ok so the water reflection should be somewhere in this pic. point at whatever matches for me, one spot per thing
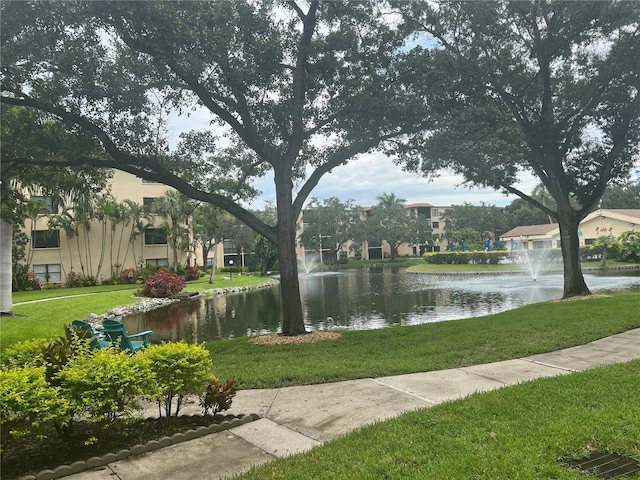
(362, 299)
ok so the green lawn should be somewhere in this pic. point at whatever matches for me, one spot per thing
(392, 351)
(520, 432)
(46, 319)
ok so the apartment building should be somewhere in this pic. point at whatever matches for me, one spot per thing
(89, 240)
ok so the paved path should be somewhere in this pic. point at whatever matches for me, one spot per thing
(295, 419)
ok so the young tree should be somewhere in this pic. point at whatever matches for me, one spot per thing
(329, 225)
(390, 221)
(479, 218)
(205, 226)
(266, 253)
(178, 209)
(547, 87)
(296, 89)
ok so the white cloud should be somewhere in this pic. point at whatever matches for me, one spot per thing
(368, 177)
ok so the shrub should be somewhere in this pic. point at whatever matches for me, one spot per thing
(88, 281)
(29, 406)
(108, 384)
(179, 369)
(191, 272)
(163, 284)
(129, 275)
(218, 396)
(24, 354)
(149, 270)
(58, 352)
(73, 279)
(629, 247)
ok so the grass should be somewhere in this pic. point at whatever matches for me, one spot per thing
(46, 319)
(525, 331)
(517, 432)
(521, 432)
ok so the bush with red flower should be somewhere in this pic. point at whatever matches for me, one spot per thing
(191, 272)
(163, 284)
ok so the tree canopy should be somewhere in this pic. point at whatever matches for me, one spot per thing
(295, 89)
(549, 87)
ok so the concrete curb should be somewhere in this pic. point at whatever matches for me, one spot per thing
(227, 422)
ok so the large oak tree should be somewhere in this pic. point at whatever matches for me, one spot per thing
(293, 88)
(547, 87)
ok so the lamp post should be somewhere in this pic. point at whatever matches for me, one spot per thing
(230, 269)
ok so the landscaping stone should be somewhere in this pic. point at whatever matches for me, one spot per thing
(123, 454)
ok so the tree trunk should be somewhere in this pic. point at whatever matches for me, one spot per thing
(574, 284)
(6, 273)
(292, 319)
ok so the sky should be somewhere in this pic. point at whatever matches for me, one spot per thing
(369, 176)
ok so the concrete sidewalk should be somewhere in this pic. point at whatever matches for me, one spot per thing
(295, 419)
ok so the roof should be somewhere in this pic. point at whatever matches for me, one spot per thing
(620, 212)
(529, 230)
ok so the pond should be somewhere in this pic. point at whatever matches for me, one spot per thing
(364, 299)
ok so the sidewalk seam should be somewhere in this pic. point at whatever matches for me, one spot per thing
(428, 400)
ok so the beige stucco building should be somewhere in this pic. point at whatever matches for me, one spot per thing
(62, 242)
(602, 222)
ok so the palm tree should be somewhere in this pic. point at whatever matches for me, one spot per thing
(177, 208)
(139, 220)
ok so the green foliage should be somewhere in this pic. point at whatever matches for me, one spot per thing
(88, 281)
(218, 396)
(464, 258)
(266, 253)
(27, 353)
(73, 280)
(148, 270)
(108, 384)
(179, 369)
(629, 247)
(58, 352)
(29, 405)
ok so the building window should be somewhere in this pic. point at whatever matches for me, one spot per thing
(435, 224)
(155, 236)
(229, 248)
(47, 204)
(144, 180)
(163, 262)
(48, 273)
(149, 201)
(46, 239)
(434, 212)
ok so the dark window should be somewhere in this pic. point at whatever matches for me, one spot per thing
(47, 205)
(149, 201)
(163, 262)
(46, 239)
(229, 248)
(435, 224)
(48, 273)
(155, 236)
(424, 211)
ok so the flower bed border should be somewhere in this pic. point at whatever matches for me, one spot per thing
(226, 422)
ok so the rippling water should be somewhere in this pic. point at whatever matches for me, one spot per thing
(362, 300)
